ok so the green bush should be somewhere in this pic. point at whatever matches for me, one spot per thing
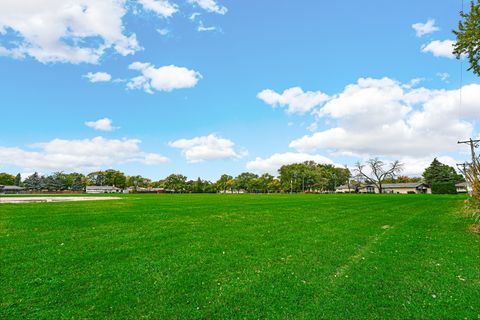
(444, 188)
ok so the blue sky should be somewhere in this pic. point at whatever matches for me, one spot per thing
(240, 85)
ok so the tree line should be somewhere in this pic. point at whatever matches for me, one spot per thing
(308, 176)
(300, 177)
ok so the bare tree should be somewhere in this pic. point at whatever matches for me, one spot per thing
(379, 171)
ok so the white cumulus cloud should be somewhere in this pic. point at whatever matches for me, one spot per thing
(205, 148)
(210, 6)
(98, 77)
(422, 29)
(440, 48)
(165, 78)
(78, 31)
(59, 30)
(295, 99)
(385, 118)
(104, 124)
(274, 162)
(77, 155)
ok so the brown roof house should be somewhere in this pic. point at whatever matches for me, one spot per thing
(398, 188)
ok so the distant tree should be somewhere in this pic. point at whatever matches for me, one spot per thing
(6, 179)
(312, 176)
(230, 184)
(69, 179)
(198, 186)
(115, 178)
(222, 183)
(18, 180)
(264, 182)
(274, 186)
(246, 181)
(77, 184)
(137, 181)
(403, 179)
(468, 36)
(176, 183)
(33, 182)
(293, 176)
(375, 171)
(96, 178)
(157, 184)
(439, 172)
(56, 182)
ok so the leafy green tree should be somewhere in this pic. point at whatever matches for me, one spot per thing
(468, 37)
(18, 180)
(115, 178)
(246, 181)
(292, 176)
(176, 183)
(137, 181)
(403, 179)
(439, 172)
(263, 182)
(69, 179)
(222, 183)
(274, 186)
(96, 178)
(107, 178)
(200, 186)
(6, 179)
(77, 184)
(55, 182)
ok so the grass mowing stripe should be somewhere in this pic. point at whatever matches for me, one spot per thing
(237, 257)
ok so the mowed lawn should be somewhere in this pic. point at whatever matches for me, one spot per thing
(240, 257)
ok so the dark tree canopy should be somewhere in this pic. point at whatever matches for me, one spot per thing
(468, 37)
(438, 172)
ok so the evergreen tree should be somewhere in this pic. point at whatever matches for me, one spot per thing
(18, 180)
(439, 172)
(77, 184)
(33, 182)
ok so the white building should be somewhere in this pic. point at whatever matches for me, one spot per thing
(102, 189)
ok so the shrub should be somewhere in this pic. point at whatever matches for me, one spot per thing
(444, 188)
(411, 192)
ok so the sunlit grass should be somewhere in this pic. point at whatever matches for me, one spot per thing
(240, 256)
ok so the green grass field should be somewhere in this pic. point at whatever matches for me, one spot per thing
(240, 257)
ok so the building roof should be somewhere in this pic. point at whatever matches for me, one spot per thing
(101, 188)
(11, 188)
(397, 185)
(403, 185)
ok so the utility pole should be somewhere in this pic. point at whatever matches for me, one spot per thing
(462, 167)
(473, 166)
(473, 144)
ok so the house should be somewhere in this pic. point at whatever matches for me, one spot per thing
(102, 189)
(398, 188)
(346, 189)
(462, 187)
(146, 190)
(11, 189)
